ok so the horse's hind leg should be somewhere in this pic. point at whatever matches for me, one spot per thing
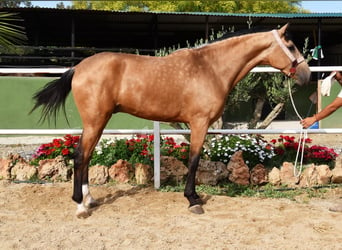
(91, 134)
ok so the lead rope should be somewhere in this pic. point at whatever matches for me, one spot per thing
(303, 135)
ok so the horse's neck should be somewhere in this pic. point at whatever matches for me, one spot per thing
(233, 58)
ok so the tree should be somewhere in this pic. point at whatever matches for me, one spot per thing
(262, 88)
(234, 6)
(10, 34)
(14, 3)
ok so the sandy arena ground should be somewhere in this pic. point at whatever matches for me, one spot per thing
(42, 216)
(34, 216)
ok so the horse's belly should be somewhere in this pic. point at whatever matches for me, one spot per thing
(155, 112)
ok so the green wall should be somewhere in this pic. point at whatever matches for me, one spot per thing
(16, 102)
(335, 119)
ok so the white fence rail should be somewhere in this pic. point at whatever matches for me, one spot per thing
(156, 131)
(62, 70)
(166, 131)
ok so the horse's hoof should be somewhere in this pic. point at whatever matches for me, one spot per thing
(82, 215)
(196, 209)
(82, 212)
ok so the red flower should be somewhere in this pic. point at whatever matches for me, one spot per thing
(151, 138)
(68, 143)
(144, 152)
(308, 140)
(57, 143)
(65, 151)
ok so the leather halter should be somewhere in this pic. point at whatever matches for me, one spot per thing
(295, 61)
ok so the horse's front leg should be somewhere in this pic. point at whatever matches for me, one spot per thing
(195, 201)
(198, 133)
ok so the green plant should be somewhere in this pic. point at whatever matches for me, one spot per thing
(170, 148)
(65, 147)
(109, 151)
(255, 149)
(138, 149)
(141, 149)
(285, 148)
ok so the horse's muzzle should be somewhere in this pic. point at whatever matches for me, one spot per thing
(303, 74)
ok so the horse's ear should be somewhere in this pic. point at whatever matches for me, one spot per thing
(283, 29)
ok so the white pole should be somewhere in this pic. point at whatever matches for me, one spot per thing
(156, 133)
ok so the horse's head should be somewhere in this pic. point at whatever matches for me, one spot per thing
(286, 57)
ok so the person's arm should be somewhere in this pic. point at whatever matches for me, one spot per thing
(332, 107)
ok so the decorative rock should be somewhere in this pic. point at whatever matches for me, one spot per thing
(210, 172)
(54, 169)
(5, 168)
(286, 174)
(121, 171)
(172, 169)
(274, 176)
(98, 174)
(324, 174)
(309, 177)
(23, 171)
(336, 174)
(238, 170)
(258, 175)
(143, 173)
(315, 175)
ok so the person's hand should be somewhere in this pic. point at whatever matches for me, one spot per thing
(307, 122)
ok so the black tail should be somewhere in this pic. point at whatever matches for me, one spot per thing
(53, 95)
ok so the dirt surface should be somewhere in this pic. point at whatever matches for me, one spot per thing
(35, 216)
(42, 216)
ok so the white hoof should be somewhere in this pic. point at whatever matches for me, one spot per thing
(82, 211)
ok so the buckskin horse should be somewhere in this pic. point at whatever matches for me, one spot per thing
(189, 85)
